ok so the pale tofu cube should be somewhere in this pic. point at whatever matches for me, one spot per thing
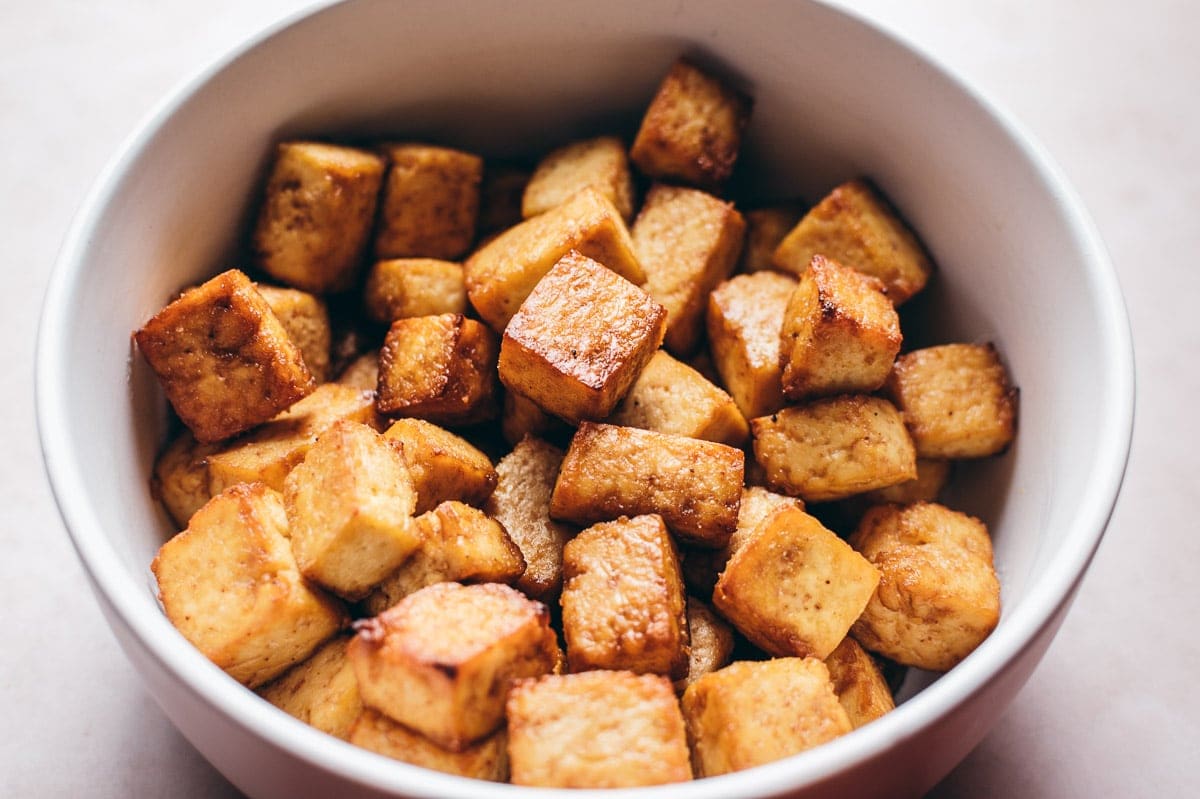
(430, 202)
(765, 229)
(180, 479)
(399, 288)
(322, 691)
(710, 641)
(486, 760)
(858, 683)
(306, 321)
(598, 163)
(443, 466)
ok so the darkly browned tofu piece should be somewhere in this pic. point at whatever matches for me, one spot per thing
(430, 202)
(224, 360)
(692, 130)
(765, 228)
(610, 471)
(319, 206)
(440, 368)
(580, 339)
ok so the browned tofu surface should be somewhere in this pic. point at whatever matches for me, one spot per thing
(443, 466)
(398, 288)
(612, 471)
(580, 339)
(859, 683)
(486, 760)
(500, 197)
(702, 567)
(430, 202)
(598, 163)
(306, 321)
(180, 479)
(710, 641)
(322, 691)
(765, 228)
(932, 476)
(598, 729)
(223, 359)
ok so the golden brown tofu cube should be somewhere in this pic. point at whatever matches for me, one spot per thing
(835, 447)
(349, 506)
(745, 316)
(430, 202)
(702, 567)
(306, 321)
(765, 228)
(522, 417)
(795, 588)
(751, 713)
(230, 585)
(362, 373)
(858, 683)
(855, 226)
(269, 453)
(623, 604)
(611, 471)
(956, 400)
(223, 359)
(580, 339)
(671, 397)
(440, 368)
(441, 661)
(932, 476)
(402, 287)
(598, 729)
(458, 544)
(502, 273)
(500, 197)
(692, 130)
(938, 596)
(443, 466)
(598, 163)
(688, 242)
(180, 479)
(521, 503)
(317, 214)
(710, 640)
(322, 691)
(840, 333)
(486, 760)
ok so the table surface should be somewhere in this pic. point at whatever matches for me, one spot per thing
(1109, 88)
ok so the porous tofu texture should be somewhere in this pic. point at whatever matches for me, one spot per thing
(833, 448)
(486, 760)
(230, 585)
(956, 399)
(710, 641)
(855, 226)
(622, 601)
(440, 368)
(322, 691)
(692, 130)
(794, 588)
(224, 360)
(317, 214)
(502, 273)
(306, 321)
(858, 683)
(765, 228)
(751, 713)
(688, 242)
(443, 466)
(580, 339)
(430, 202)
(349, 507)
(441, 661)
(840, 333)
(612, 471)
(181, 477)
(398, 288)
(598, 729)
(938, 595)
(598, 163)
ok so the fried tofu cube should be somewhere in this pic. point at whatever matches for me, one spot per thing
(430, 202)
(598, 163)
(751, 713)
(500, 197)
(522, 417)
(402, 287)
(180, 479)
(745, 317)
(502, 273)
(440, 368)
(306, 321)
(458, 544)
(840, 333)
(322, 691)
(269, 453)
(692, 130)
(223, 359)
(580, 339)
(932, 476)
(671, 397)
(598, 729)
(441, 661)
(765, 228)
(623, 604)
(704, 566)
(858, 683)
(317, 214)
(362, 373)
(521, 502)
(835, 447)
(611, 471)
(794, 588)
(938, 595)
(486, 760)
(230, 585)
(956, 399)
(688, 242)
(855, 226)
(443, 466)
(349, 506)
(710, 642)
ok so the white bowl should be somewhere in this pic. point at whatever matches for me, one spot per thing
(1020, 264)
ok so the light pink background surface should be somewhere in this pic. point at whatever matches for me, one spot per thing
(1110, 89)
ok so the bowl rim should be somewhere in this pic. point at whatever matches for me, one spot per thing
(126, 597)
